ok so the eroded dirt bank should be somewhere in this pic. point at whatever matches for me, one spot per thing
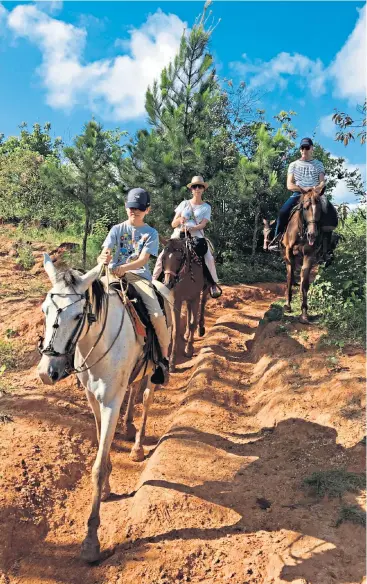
(219, 497)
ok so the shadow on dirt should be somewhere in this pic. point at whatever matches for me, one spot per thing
(273, 479)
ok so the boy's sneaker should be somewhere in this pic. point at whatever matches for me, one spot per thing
(161, 374)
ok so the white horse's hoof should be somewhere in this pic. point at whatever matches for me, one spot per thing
(90, 552)
(303, 319)
(137, 454)
(287, 308)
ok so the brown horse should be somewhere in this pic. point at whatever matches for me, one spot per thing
(300, 241)
(183, 273)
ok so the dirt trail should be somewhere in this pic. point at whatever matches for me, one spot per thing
(219, 497)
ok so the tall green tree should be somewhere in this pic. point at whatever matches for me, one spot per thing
(189, 127)
(88, 174)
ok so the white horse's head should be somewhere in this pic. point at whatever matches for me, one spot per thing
(66, 310)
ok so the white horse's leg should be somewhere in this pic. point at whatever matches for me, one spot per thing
(94, 404)
(137, 453)
(129, 429)
(96, 411)
(109, 416)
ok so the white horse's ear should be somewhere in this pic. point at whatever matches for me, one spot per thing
(88, 278)
(50, 268)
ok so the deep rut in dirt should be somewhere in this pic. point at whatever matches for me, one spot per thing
(219, 497)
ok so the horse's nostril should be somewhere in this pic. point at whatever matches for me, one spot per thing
(53, 374)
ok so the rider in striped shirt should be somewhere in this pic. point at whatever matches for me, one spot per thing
(306, 172)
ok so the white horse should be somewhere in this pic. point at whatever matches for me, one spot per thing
(90, 332)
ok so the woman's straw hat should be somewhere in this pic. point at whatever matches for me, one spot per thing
(197, 180)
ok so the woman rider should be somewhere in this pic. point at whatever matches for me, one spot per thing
(194, 215)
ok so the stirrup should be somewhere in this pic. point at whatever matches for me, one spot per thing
(274, 245)
(215, 293)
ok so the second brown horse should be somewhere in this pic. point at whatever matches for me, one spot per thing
(301, 243)
(183, 273)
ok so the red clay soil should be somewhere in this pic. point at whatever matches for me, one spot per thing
(219, 497)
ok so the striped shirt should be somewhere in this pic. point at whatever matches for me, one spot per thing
(306, 172)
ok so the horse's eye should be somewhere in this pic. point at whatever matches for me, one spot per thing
(78, 317)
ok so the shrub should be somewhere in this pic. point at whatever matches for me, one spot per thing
(338, 291)
(25, 256)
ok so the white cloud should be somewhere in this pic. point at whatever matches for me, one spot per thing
(327, 126)
(113, 87)
(346, 73)
(50, 6)
(278, 70)
(349, 66)
(341, 193)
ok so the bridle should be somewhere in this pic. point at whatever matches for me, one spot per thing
(187, 253)
(308, 222)
(88, 317)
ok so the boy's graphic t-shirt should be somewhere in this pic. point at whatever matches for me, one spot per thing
(127, 242)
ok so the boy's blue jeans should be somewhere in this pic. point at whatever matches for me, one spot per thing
(285, 212)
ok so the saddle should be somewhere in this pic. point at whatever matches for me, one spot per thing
(143, 327)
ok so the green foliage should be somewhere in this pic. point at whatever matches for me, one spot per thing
(338, 292)
(25, 256)
(334, 483)
(90, 175)
(352, 513)
(8, 356)
(246, 272)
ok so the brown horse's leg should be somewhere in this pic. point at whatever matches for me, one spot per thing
(176, 318)
(106, 490)
(289, 258)
(203, 301)
(305, 284)
(137, 453)
(129, 429)
(188, 320)
(194, 308)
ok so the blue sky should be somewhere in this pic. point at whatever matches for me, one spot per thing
(63, 62)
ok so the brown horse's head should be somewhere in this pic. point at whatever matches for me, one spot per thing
(173, 260)
(311, 208)
(268, 228)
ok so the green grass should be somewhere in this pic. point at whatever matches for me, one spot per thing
(334, 483)
(8, 355)
(352, 513)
